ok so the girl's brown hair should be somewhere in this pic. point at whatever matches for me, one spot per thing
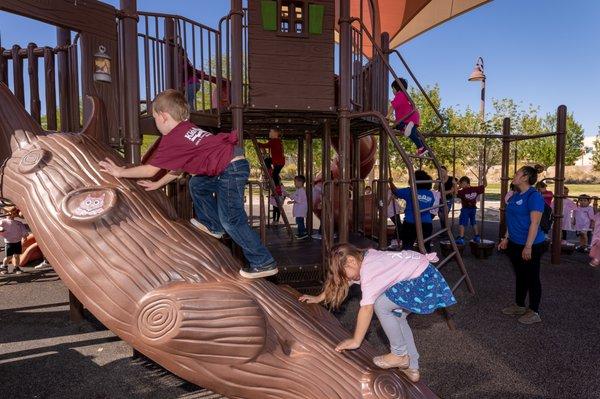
(337, 283)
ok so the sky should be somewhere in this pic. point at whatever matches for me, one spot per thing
(540, 52)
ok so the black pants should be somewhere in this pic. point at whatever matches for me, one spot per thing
(276, 214)
(276, 174)
(398, 223)
(444, 216)
(527, 273)
(409, 235)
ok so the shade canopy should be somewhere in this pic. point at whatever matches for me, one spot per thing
(405, 19)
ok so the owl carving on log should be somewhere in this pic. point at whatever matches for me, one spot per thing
(172, 293)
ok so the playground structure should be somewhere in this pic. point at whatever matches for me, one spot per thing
(235, 85)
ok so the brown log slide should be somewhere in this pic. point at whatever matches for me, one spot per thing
(172, 293)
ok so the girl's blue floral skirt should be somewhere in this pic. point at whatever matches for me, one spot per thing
(424, 294)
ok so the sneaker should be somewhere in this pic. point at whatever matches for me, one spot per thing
(258, 272)
(514, 310)
(205, 229)
(530, 317)
(42, 265)
(408, 129)
(3, 270)
(460, 241)
(301, 236)
(421, 152)
(17, 270)
(317, 236)
(477, 239)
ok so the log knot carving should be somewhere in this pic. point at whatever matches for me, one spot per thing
(158, 318)
(383, 386)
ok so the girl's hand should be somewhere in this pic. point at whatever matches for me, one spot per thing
(347, 344)
(526, 254)
(148, 185)
(310, 299)
(503, 244)
(110, 167)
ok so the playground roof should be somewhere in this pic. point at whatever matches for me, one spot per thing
(405, 19)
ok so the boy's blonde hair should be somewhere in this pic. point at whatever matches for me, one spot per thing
(173, 103)
(337, 283)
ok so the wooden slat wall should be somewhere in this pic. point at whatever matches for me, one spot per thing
(295, 73)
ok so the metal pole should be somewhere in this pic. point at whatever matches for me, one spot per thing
(504, 179)
(559, 181)
(326, 203)
(129, 58)
(384, 158)
(345, 61)
(356, 194)
(309, 182)
(300, 163)
(63, 38)
(237, 113)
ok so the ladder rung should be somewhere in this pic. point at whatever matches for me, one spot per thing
(428, 181)
(437, 233)
(459, 282)
(446, 260)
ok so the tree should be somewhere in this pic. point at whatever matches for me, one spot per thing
(596, 152)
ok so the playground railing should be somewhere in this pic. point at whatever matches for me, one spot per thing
(23, 64)
(179, 53)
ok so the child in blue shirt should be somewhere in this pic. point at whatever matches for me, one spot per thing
(426, 200)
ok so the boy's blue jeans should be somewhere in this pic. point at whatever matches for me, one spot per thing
(301, 226)
(219, 205)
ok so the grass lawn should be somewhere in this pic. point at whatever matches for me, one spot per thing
(574, 189)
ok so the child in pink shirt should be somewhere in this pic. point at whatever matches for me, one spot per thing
(403, 107)
(392, 284)
(568, 207)
(595, 250)
(13, 232)
(583, 216)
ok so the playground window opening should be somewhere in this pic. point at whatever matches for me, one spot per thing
(292, 17)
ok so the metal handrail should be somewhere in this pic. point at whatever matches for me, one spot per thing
(175, 16)
(381, 54)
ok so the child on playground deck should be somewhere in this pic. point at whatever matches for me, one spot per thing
(568, 207)
(583, 217)
(468, 198)
(276, 157)
(219, 175)
(402, 107)
(13, 232)
(300, 208)
(392, 284)
(280, 194)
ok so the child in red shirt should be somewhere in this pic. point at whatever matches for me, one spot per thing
(219, 175)
(276, 158)
(468, 198)
(547, 195)
(409, 125)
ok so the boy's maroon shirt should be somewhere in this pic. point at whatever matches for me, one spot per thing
(468, 196)
(195, 151)
(275, 147)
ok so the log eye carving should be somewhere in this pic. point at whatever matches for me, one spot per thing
(32, 160)
(88, 204)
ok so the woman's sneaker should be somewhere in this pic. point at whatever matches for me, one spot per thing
(514, 310)
(530, 317)
(258, 272)
(196, 223)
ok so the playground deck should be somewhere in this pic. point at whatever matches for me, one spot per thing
(488, 356)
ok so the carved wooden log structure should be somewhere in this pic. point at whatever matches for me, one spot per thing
(171, 292)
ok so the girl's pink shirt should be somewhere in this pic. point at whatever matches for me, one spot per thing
(382, 269)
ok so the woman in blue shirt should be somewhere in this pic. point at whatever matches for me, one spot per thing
(524, 240)
(426, 200)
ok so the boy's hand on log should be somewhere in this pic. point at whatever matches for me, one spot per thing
(110, 167)
(347, 344)
(149, 185)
